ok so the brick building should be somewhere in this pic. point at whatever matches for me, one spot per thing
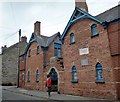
(10, 62)
(84, 60)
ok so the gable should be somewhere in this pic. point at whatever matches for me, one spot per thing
(79, 14)
(42, 41)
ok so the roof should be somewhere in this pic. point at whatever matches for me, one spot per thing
(21, 45)
(107, 16)
(43, 41)
(110, 14)
(79, 14)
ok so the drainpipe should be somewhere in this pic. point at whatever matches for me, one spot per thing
(44, 57)
(19, 56)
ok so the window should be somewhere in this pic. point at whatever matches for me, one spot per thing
(38, 49)
(28, 76)
(37, 75)
(23, 76)
(99, 73)
(57, 50)
(72, 38)
(94, 30)
(74, 74)
(29, 53)
(23, 57)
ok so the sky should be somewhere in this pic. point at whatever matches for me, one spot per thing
(53, 15)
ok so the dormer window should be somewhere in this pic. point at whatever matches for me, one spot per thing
(94, 30)
(38, 49)
(72, 38)
(58, 50)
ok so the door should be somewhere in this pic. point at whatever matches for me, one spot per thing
(54, 78)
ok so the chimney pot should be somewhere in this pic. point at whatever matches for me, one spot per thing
(23, 39)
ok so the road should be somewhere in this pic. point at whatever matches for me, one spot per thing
(8, 95)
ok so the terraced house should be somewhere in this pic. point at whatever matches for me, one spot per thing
(83, 61)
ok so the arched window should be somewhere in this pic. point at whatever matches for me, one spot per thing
(28, 76)
(37, 75)
(38, 49)
(74, 74)
(72, 38)
(99, 73)
(94, 30)
(23, 76)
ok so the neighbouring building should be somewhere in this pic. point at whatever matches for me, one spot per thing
(83, 61)
(10, 59)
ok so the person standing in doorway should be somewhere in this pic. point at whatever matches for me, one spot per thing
(48, 84)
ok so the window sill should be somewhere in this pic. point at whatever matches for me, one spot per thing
(72, 43)
(74, 81)
(95, 35)
(37, 81)
(28, 81)
(100, 81)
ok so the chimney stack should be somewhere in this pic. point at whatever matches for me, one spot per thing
(81, 4)
(37, 28)
(23, 39)
(3, 48)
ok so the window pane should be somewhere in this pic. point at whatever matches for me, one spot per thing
(74, 74)
(59, 54)
(72, 39)
(23, 77)
(38, 49)
(55, 52)
(99, 73)
(37, 75)
(28, 75)
(94, 29)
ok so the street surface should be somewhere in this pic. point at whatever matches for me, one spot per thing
(7, 95)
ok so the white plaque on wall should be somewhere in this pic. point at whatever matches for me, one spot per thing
(83, 51)
(84, 62)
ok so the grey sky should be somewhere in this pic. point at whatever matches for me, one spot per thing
(53, 16)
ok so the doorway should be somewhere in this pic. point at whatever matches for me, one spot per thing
(54, 78)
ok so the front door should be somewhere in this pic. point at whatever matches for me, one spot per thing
(54, 78)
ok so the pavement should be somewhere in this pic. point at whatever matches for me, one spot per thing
(54, 95)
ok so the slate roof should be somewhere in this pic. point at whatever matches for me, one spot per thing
(45, 41)
(110, 15)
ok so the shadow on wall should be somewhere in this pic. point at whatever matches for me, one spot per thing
(8, 84)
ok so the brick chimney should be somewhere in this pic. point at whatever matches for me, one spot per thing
(37, 28)
(23, 39)
(81, 4)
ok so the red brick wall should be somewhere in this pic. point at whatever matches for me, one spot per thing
(114, 38)
(55, 65)
(99, 51)
(32, 63)
(114, 31)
